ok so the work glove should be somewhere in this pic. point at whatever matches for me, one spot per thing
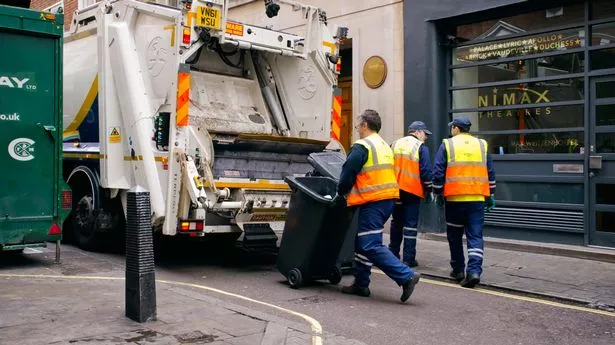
(440, 200)
(429, 198)
(490, 203)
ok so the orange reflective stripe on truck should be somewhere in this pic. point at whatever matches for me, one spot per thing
(336, 114)
(183, 95)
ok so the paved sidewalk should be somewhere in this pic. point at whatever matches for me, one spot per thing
(584, 281)
(62, 310)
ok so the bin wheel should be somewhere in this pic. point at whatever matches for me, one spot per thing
(294, 278)
(335, 276)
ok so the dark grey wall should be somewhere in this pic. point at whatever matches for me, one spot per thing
(425, 69)
(425, 60)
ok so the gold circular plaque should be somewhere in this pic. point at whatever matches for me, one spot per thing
(374, 72)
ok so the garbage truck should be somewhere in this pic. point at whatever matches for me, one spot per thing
(207, 114)
(34, 199)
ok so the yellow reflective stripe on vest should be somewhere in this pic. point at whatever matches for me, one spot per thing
(377, 167)
(407, 173)
(467, 179)
(374, 188)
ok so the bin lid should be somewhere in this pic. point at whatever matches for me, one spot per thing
(328, 163)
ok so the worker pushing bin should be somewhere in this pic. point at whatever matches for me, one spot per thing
(314, 233)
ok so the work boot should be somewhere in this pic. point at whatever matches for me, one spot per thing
(411, 264)
(408, 287)
(471, 280)
(355, 290)
(458, 276)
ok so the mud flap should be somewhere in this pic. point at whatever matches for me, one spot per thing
(259, 237)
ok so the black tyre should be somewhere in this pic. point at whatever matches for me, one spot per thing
(85, 209)
(335, 276)
(295, 279)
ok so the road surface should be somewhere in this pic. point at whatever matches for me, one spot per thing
(437, 313)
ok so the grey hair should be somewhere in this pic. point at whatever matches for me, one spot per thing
(372, 119)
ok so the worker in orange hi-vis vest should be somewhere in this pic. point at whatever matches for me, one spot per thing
(368, 180)
(464, 181)
(413, 171)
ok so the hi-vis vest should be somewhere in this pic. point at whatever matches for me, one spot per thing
(467, 178)
(407, 168)
(376, 181)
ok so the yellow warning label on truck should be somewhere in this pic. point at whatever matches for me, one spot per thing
(115, 135)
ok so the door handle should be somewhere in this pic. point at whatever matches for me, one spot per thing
(50, 130)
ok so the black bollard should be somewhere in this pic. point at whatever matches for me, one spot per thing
(140, 269)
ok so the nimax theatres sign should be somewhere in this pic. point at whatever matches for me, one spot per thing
(517, 95)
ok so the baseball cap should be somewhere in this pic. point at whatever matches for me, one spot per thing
(419, 126)
(461, 121)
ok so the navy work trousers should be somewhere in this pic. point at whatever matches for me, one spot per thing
(369, 249)
(404, 227)
(468, 218)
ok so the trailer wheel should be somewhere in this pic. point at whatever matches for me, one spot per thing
(295, 278)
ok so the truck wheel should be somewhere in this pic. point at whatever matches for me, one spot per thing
(294, 278)
(83, 222)
(335, 276)
(86, 203)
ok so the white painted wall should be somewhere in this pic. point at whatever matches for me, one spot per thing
(376, 28)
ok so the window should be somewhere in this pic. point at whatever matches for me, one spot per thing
(559, 142)
(85, 3)
(547, 117)
(603, 34)
(537, 20)
(562, 193)
(605, 221)
(605, 142)
(605, 115)
(56, 8)
(605, 194)
(602, 59)
(549, 66)
(523, 95)
(602, 9)
(517, 47)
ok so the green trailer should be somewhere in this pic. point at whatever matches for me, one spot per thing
(34, 199)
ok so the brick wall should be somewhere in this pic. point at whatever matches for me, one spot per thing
(69, 8)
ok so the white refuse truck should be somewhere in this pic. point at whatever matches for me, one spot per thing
(206, 114)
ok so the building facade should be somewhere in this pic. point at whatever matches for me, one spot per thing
(537, 78)
(67, 7)
(538, 81)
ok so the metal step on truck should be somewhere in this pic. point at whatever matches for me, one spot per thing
(34, 200)
(207, 114)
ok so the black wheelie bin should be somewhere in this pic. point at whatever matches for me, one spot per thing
(329, 164)
(314, 232)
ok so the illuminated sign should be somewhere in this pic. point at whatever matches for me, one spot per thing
(519, 47)
(514, 96)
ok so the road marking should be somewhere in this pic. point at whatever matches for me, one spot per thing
(515, 297)
(314, 324)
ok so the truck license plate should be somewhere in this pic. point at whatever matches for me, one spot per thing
(208, 17)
